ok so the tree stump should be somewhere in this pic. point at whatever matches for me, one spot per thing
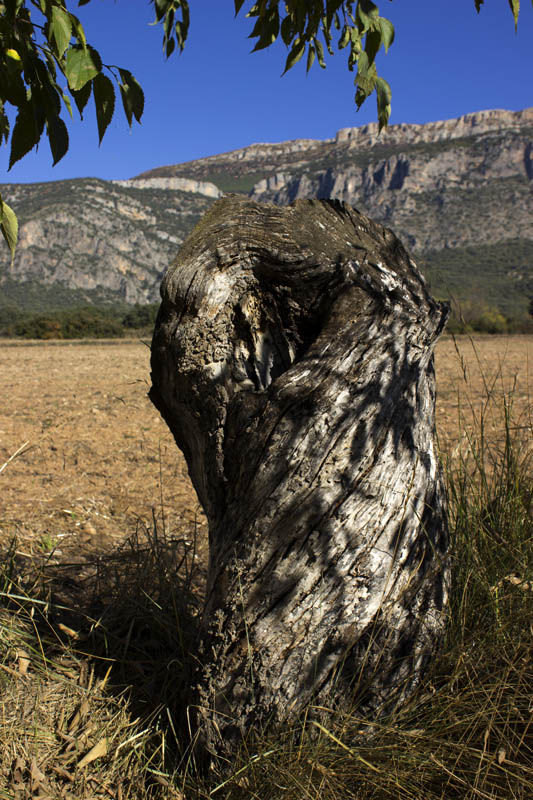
(293, 362)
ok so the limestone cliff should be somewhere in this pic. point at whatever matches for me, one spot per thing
(98, 240)
(458, 192)
(440, 185)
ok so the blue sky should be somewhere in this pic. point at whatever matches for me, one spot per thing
(446, 61)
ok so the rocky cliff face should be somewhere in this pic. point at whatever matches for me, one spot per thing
(458, 192)
(441, 185)
(175, 184)
(103, 240)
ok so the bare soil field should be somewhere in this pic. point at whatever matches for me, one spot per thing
(85, 458)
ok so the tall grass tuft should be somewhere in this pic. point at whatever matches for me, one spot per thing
(95, 666)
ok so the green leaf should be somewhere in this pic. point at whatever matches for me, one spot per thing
(126, 102)
(57, 138)
(181, 34)
(68, 104)
(327, 33)
(387, 32)
(168, 23)
(514, 5)
(310, 57)
(162, 7)
(4, 124)
(51, 65)
(362, 66)
(478, 3)
(26, 132)
(134, 92)
(60, 29)
(104, 101)
(372, 45)
(12, 86)
(295, 55)
(355, 38)
(9, 226)
(383, 92)
(269, 29)
(365, 79)
(45, 95)
(81, 96)
(320, 53)
(363, 20)
(77, 30)
(80, 67)
(83, 2)
(238, 5)
(369, 8)
(287, 30)
(169, 47)
(345, 37)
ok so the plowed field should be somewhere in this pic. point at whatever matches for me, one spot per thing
(94, 459)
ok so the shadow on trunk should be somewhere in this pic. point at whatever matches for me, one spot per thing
(293, 362)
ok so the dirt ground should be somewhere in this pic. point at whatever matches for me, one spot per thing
(85, 458)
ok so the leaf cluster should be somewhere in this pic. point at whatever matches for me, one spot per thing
(312, 27)
(514, 5)
(175, 30)
(43, 46)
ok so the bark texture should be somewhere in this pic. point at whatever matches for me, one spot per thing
(293, 361)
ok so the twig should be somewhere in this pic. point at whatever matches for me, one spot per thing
(15, 454)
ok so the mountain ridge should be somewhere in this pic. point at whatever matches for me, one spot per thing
(457, 192)
(367, 137)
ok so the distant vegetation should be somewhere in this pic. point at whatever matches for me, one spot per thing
(87, 322)
(490, 288)
(475, 317)
(496, 276)
(117, 321)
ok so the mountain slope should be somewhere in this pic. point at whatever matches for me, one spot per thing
(458, 192)
(96, 241)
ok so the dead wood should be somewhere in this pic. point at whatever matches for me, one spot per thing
(293, 361)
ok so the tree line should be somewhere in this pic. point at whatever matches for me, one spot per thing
(89, 322)
(115, 322)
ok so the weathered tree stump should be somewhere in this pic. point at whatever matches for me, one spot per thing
(293, 362)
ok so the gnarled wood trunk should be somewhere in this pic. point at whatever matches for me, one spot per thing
(293, 361)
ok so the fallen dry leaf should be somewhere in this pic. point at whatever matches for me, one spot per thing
(514, 580)
(10, 671)
(23, 661)
(62, 772)
(501, 755)
(17, 774)
(98, 751)
(79, 716)
(37, 778)
(486, 738)
(65, 629)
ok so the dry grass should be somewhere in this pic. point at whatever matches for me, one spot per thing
(100, 600)
(96, 455)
